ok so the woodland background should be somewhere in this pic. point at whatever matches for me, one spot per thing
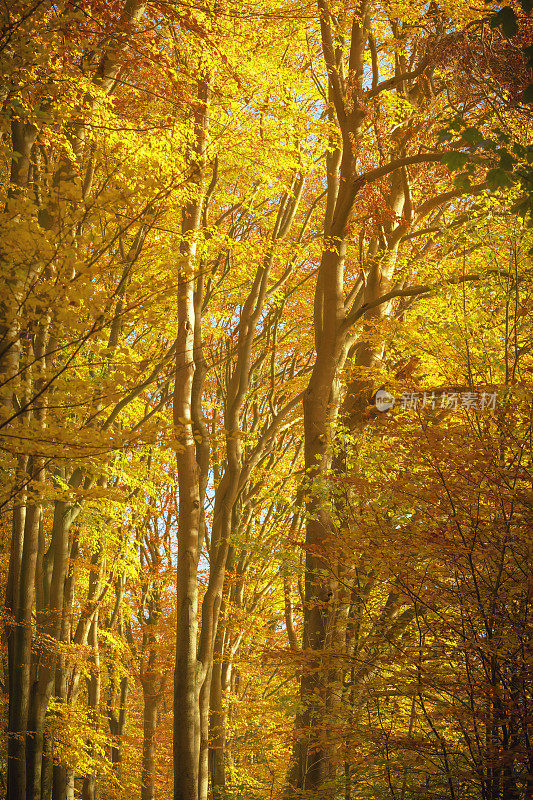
(224, 227)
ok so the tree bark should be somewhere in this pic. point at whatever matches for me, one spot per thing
(189, 674)
(19, 701)
(150, 711)
(93, 701)
(316, 768)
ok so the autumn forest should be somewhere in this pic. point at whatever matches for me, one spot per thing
(266, 400)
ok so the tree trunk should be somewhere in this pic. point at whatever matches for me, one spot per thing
(62, 783)
(189, 674)
(321, 403)
(19, 701)
(314, 755)
(13, 582)
(93, 700)
(46, 772)
(218, 722)
(151, 706)
(203, 774)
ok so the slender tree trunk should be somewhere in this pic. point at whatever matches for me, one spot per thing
(35, 746)
(93, 701)
(218, 720)
(46, 772)
(203, 774)
(189, 673)
(23, 556)
(220, 683)
(60, 771)
(19, 701)
(150, 711)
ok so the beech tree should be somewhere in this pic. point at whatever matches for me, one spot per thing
(422, 90)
